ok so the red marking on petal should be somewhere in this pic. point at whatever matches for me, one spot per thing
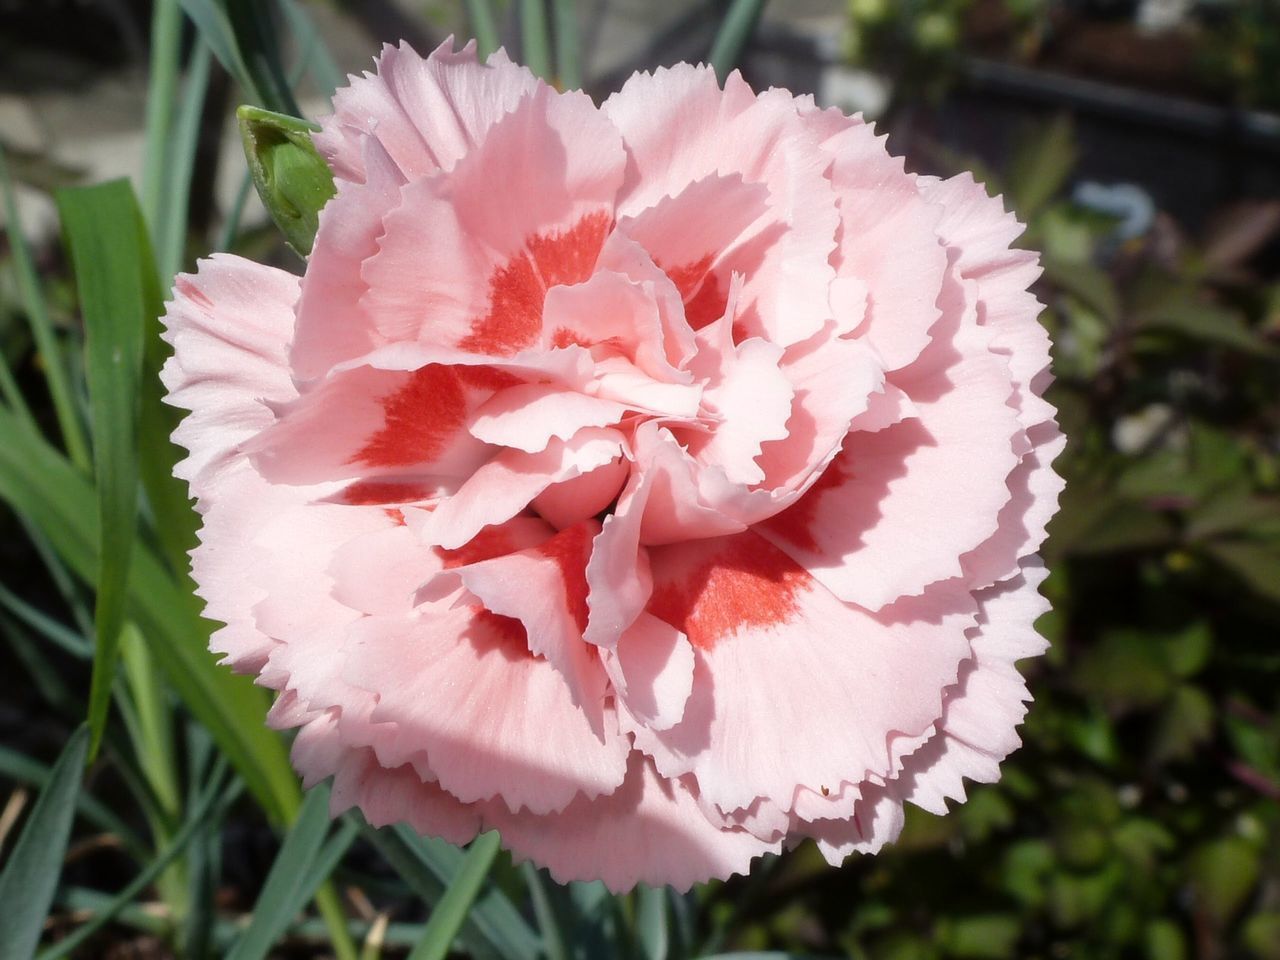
(490, 542)
(564, 337)
(745, 583)
(492, 631)
(395, 514)
(517, 290)
(185, 288)
(366, 492)
(570, 549)
(570, 257)
(485, 377)
(419, 419)
(704, 300)
(707, 305)
(796, 523)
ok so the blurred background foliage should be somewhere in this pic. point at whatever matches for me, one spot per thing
(1142, 816)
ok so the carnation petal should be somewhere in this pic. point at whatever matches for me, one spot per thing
(493, 720)
(760, 624)
(650, 830)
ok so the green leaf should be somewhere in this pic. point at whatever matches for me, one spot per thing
(1223, 873)
(1236, 512)
(1206, 323)
(735, 30)
(38, 481)
(1262, 935)
(138, 885)
(1041, 165)
(294, 877)
(534, 40)
(292, 178)
(1165, 941)
(448, 916)
(494, 927)
(1187, 651)
(984, 937)
(102, 225)
(568, 73)
(1256, 564)
(243, 38)
(651, 922)
(483, 27)
(31, 875)
(1088, 284)
(54, 365)
(1185, 723)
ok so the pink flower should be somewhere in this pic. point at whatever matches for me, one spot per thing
(657, 483)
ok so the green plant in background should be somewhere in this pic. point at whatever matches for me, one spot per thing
(1139, 820)
(919, 44)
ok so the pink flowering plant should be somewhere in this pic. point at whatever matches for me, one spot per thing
(645, 486)
(657, 483)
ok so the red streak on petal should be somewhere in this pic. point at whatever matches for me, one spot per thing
(419, 420)
(570, 549)
(490, 542)
(564, 337)
(492, 631)
(746, 583)
(517, 290)
(704, 301)
(570, 257)
(395, 514)
(797, 522)
(365, 492)
(185, 288)
(485, 377)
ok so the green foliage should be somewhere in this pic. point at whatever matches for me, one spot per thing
(31, 872)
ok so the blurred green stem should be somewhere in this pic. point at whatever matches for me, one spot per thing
(535, 43)
(153, 743)
(55, 367)
(166, 34)
(568, 71)
(735, 30)
(483, 26)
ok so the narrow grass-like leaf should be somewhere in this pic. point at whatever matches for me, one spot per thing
(448, 916)
(243, 38)
(54, 366)
(194, 820)
(735, 30)
(13, 396)
(162, 77)
(39, 482)
(484, 26)
(652, 922)
(544, 910)
(22, 769)
(292, 879)
(56, 633)
(314, 56)
(568, 71)
(109, 277)
(493, 929)
(31, 875)
(171, 231)
(535, 42)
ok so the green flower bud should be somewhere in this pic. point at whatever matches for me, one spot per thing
(292, 178)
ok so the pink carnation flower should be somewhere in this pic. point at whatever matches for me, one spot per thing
(658, 483)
